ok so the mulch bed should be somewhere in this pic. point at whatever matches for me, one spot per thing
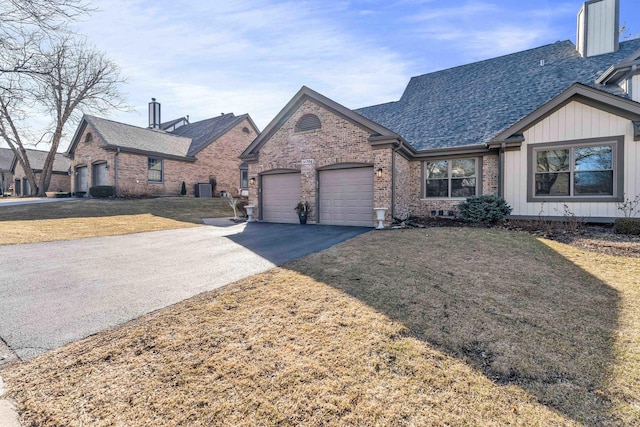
(589, 237)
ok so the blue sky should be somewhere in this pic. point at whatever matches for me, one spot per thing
(203, 57)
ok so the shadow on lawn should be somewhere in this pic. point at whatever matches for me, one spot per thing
(504, 303)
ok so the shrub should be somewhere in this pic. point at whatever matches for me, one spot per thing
(627, 226)
(102, 191)
(484, 209)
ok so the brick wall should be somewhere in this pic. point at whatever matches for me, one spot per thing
(59, 181)
(424, 207)
(403, 187)
(338, 141)
(219, 159)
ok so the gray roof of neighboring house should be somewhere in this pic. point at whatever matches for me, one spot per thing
(204, 132)
(471, 104)
(38, 157)
(137, 138)
(170, 123)
(6, 159)
(186, 141)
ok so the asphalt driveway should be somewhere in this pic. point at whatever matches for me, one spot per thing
(57, 292)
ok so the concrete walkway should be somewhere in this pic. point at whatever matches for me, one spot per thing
(8, 413)
(17, 201)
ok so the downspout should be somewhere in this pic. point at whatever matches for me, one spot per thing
(115, 172)
(393, 180)
(503, 146)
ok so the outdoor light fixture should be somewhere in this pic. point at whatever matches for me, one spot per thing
(106, 166)
(69, 172)
(379, 173)
(252, 181)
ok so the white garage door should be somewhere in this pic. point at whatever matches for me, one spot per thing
(280, 195)
(346, 197)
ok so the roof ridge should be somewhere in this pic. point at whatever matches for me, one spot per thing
(494, 58)
(134, 126)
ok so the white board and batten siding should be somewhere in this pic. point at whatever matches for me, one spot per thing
(597, 27)
(635, 88)
(575, 121)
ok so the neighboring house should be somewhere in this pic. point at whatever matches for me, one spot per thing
(59, 175)
(6, 176)
(554, 130)
(153, 161)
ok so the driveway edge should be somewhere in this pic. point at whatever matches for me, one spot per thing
(8, 412)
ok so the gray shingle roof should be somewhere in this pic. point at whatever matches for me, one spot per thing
(6, 159)
(170, 123)
(470, 104)
(206, 131)
(133, 137)
(38, 157)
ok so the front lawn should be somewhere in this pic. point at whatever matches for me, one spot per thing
(440, 326)
(98, 217)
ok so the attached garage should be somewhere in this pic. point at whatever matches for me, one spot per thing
(346, 197)
(280, 195)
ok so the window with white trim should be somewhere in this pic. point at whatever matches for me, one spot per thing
(154, 170)
(586, 170)
(451, 178)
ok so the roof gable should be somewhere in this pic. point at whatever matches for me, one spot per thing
(128, 137)
(37, 159)
(580, 93)
(299, 98)
(6, 159)
(205, 132)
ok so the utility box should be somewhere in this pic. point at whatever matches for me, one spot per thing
(203, 189)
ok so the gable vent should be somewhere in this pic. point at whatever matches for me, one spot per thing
(308, 122)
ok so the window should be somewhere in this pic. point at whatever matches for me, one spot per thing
(308, 122)
(244, 179)
(451, 178)
(154, 170)
(575, 170)
(88, 138)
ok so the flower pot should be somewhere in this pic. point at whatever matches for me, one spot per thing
(302, 218)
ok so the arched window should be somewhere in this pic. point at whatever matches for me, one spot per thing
(308, 122)
(88, 138)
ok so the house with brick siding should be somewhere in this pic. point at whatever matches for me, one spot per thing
(553, 129)
(59, 173)
(140, 161)
(6, 176)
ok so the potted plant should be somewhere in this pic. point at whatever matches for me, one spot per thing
(302, 209)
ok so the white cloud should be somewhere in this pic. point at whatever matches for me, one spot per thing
(204, 58)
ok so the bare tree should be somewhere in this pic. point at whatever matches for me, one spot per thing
(47, 70)
(71, 75)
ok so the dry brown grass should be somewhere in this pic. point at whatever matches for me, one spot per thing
(412, 327)
(47, 230)
(96, 218)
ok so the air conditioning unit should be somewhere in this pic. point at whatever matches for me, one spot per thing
(203, 190)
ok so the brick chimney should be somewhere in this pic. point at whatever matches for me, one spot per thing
(598, 27)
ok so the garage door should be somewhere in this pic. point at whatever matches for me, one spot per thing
(100, 174)
(82, 179)
(346, 197)
(280, 194)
